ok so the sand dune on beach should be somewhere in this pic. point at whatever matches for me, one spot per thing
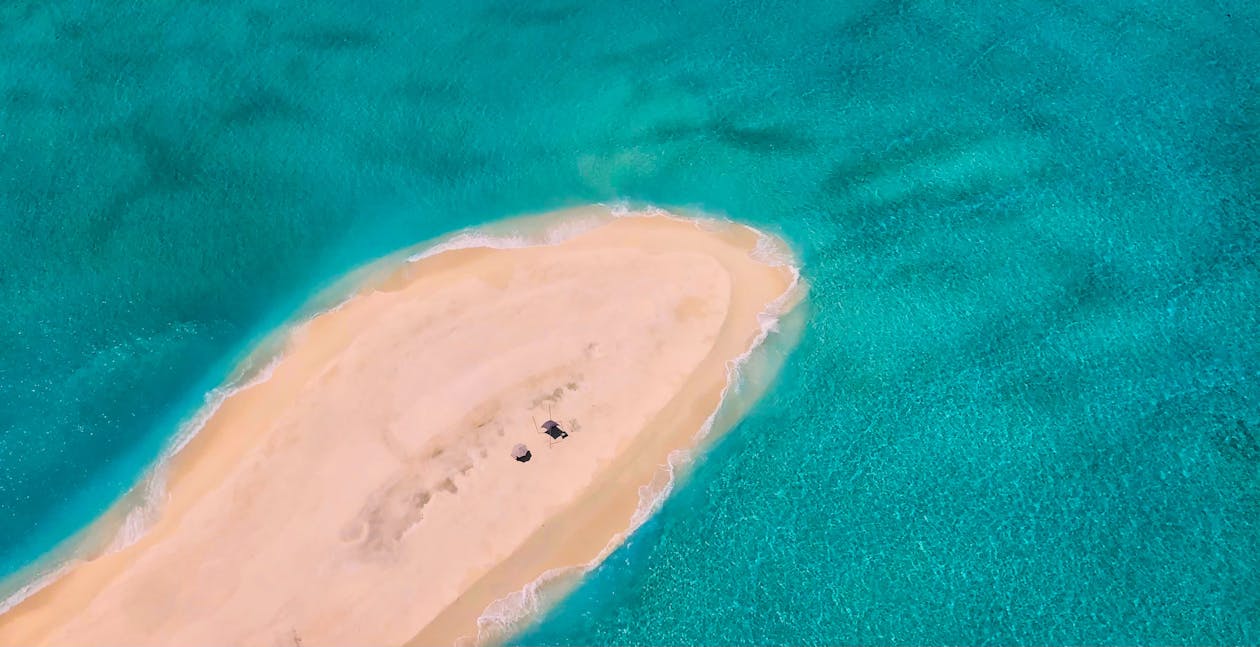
(366, 493)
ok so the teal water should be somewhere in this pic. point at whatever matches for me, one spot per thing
(1025, 408)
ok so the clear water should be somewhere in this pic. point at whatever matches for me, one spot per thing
(1026, 406)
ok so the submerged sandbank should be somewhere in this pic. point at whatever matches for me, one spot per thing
(365, 494)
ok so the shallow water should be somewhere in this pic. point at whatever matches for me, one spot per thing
(1024, 409)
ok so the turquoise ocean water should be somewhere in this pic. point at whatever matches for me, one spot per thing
(1025, 407)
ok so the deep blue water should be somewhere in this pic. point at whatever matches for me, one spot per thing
(1025, 408)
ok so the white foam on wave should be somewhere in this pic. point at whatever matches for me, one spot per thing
(548, 229)
(770, 252)
(153, 487)
(508, 613)
(149, 493)
(551, 230)
(34, 586)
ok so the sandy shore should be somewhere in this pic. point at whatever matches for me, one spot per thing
(365, 493)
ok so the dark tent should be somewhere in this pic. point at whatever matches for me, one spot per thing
(552, 428)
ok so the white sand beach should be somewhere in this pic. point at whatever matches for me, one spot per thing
(366, 492)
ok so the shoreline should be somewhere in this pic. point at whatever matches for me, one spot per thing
(194, 472)
(108, 532)
(493, 625)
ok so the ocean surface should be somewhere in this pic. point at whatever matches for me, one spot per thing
(1025, 405)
